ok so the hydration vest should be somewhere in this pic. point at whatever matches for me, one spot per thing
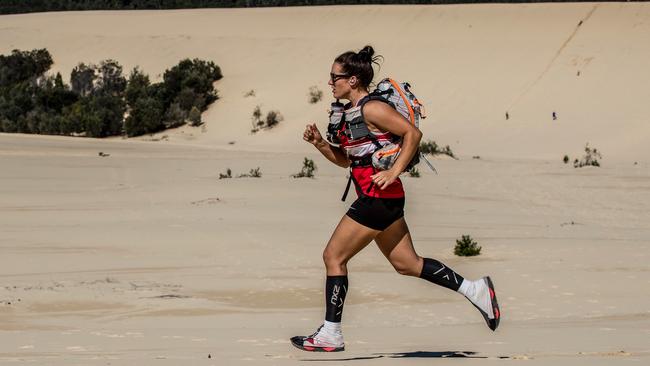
(352, 123)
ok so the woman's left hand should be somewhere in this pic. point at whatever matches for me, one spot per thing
(384, 178)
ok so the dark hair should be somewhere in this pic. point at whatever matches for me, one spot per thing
(359, 64)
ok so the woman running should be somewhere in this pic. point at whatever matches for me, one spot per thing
(378, 212)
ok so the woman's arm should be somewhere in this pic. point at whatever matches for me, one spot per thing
(385, 118)
(332, 153)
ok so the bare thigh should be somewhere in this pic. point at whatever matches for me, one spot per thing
(396, 245)
(348, 239)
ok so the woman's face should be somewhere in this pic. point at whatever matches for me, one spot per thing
(339, 82)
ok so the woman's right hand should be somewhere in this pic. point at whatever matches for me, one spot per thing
(313, 136)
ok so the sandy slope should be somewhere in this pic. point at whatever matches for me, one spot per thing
(145, 257)
(470, 64)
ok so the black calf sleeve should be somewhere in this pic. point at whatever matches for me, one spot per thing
(336, 287)
(438, 273)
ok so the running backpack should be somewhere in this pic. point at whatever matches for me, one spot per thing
(400, 97)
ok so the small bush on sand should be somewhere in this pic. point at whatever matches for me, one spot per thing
(566, 159)
(414, 172)
(272, 119)
(590, 159)
(308, 169)
(227, 175)
(466, 247)
(250, 93)
(254, 173)
(315, 94)
(431, 147)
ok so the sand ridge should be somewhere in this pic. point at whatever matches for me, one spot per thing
(144, 256)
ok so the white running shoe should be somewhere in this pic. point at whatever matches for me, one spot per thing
(483, 297)
(320, 341)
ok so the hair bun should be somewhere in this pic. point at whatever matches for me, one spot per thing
(366, 54)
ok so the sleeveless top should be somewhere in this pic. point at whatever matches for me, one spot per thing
(364, 147)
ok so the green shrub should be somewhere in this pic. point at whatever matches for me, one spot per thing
(466, 247)
(253, 173)
(308, 169)
(589, 159)
(566, 159)
(271, 120)
(431, 147)
(146, 117)
(227, 175)
(315, 94)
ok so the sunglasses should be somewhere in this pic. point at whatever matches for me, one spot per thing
(335, 77)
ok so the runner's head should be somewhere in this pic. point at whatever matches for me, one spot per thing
(352, 70)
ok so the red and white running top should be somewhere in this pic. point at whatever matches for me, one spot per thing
(363, 147)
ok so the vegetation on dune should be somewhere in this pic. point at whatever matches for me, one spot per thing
(25, 6)
(591, 158)
(100, 101)
(430, 147)
(308, 169)
(466, 247)
(272, 119)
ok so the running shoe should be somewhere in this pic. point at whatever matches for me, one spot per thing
(320, 341)
(486, 302)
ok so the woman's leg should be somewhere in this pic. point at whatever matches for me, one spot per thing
(396, 244)
(348, 239)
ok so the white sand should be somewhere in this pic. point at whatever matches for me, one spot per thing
(145, 257)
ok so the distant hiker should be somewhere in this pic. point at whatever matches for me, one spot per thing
(507, 116)
(378, 213)
(554, 116)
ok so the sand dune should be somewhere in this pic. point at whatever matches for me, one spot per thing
(144, 256)
(470, 64)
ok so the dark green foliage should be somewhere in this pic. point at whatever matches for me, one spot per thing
(308, 169)
(466, 247)
(566, 159)
(589, 159)
(315, 94)
(82, 79)
(99, 97)
(103, 79)
(227, 175)
(431, 147)
(190, 84)
(414, 172)
(185, 92)
(137, 86)
(111, 81)
(24, 6)
(175, 116)
(146, 116)
(257, 119)
(253, 173)
(23, 66)
(271, 120)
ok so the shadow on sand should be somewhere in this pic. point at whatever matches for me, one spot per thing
(416, 354)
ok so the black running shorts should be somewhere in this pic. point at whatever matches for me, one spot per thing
(376, 213)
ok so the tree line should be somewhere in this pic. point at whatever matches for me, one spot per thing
(26, 6)
(100, 101)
